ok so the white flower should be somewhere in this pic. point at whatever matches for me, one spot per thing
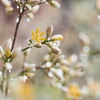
(84, 39)
(29, 67)
(35, 9)
(8, 66)
(73, 58)
(16, 52)
(48, 64)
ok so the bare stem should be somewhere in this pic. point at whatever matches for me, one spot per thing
(14, 39)
(17, 26)
(26, 48)
(7, 83)
(3, 76)
(16, 31)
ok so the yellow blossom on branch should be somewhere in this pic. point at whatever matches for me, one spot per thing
(36, 36)
(74, 91)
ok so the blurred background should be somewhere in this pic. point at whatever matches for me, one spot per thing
(74, 17)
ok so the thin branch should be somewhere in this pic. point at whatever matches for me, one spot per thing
(3, 76)
(7, 83)
(17, 26)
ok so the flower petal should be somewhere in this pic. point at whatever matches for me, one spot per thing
(41, 33)
(42, 38)
(37, 31)
(33, 34)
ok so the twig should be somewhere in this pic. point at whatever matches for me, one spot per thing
(3, 71)
(7, 83)
(14, 39)
(17, 26)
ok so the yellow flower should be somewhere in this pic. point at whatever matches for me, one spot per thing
(74, 91)
(38, 36)
(24, 91)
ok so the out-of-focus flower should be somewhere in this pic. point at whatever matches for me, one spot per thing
(73, 58)
(38, 36)
(29, 67)
(48, 64)
(29, 74)
(58, 73)
(24, 91)
(22, 78)
(16, 52)
(6, 3)
(46, 57)
(94, 87)
(9, 10)
(8, 66)
(74, 91)
(98, 4)
(84, 39)
(85, 90)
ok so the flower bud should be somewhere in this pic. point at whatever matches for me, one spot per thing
(49, 30)
(1, 51)
(73, 58)
(9, 10)
(35, 9)
(29, 67)
(49, 0)
(6, 3)
(7, 47)
(98, 4)
(27, 52)
(58, 73)
(64, 62)
(55, 4)
(48, 64)
(55, 50)
(65, 68)
(84, 39)
(28, 6)
(57, 37)
(38, 45)
(29, 74)
(46, 57)
(30, 15)
(16, 52)
(8, 66)
(34, 2)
